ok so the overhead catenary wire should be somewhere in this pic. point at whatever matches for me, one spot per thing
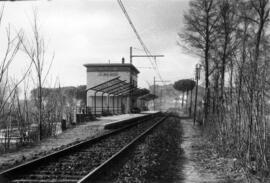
(145, 49)
(147, 52)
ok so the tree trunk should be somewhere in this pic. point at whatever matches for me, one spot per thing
(40, 108)
(190, 106)
(206, 65)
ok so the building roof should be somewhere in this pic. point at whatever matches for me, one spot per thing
(96, 66)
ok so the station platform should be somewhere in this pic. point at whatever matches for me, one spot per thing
(78, 133)
(122, 122)
(149, 112)
(112, 122)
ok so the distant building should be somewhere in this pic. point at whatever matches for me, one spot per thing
(100, 73)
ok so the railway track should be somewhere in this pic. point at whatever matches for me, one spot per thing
(82, 162)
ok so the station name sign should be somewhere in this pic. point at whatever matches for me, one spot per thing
(108, 74)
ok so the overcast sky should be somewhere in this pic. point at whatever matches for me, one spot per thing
(96, 31)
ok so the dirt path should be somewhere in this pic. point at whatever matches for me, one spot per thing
(202, 164)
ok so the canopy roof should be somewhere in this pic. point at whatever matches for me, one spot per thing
(117, 87)
(141, 92)
(148, 97)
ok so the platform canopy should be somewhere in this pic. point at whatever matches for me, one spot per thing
(115, 87)
(148, 97)
(141, 92)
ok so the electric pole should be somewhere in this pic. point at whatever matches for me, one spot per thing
(190, 109)
(131, 56)
(197, 77)
(154, 91)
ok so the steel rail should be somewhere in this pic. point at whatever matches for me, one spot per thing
(93, 175)
(8, 175)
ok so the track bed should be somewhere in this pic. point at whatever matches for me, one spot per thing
(74, 163)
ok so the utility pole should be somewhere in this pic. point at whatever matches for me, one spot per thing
(160, 100)
(197, 77)
(154, 91)
(131, 56)
(190, 109)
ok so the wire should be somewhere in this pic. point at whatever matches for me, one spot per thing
(136, 33)
(147, 52)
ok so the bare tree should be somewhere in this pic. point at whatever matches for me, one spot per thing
(7, 88)
(238, 50)
(36, 51)
(199, 34)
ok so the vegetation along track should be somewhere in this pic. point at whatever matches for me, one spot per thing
(73, 164)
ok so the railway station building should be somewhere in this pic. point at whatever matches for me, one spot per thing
(110, 87)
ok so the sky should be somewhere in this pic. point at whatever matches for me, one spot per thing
(96, 31)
